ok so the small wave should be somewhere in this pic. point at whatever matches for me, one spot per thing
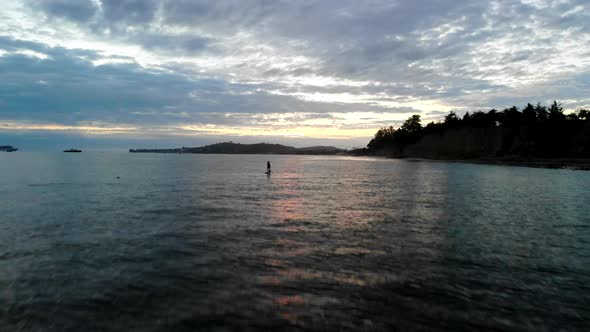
(160, 211)
(49, 184)
(571, 226)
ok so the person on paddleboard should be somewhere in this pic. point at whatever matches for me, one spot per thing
(268, 167)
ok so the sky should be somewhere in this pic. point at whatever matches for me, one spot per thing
(110, 74)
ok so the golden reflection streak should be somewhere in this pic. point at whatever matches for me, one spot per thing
(288, 212)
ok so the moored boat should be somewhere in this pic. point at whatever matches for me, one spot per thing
(8, 148)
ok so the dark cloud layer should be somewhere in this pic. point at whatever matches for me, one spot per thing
(79, 11)
(67, 88)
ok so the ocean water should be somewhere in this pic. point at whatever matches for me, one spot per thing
(209, 242)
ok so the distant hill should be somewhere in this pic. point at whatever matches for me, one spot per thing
(320, 148)
(237, 148)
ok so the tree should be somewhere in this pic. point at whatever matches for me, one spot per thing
(409, 132)
(584, 114)
(493, 117)
(412, 125)
(529, 115)
(452, 119)
(556, 112)
(433, 127)
(383, 137)
(511, 117)
(542, 114)
(480, 119)
(466, 118)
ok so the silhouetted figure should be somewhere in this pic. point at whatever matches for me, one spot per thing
(268, 167)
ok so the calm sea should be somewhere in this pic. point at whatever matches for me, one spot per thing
(209, 242)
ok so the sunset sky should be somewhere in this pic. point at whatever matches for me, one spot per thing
(146, 73)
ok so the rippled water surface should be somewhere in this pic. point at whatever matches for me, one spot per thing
(209, 242)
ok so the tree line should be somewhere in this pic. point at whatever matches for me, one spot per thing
(546, 130)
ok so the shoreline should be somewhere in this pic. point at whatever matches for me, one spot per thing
(572, 164)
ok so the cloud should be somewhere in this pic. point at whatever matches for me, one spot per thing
(83, 128)
(79, 11)
(67, 88)
(172, 62)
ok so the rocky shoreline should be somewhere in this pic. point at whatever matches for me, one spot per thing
(573, 164)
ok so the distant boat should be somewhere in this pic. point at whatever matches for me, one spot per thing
(8, 148)
(72, 150)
